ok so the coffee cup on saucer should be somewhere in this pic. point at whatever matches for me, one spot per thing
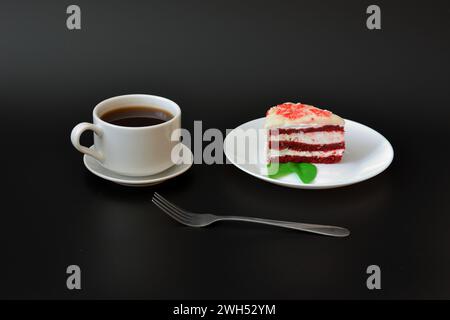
(134, 135)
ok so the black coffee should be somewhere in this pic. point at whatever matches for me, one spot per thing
(136, 116)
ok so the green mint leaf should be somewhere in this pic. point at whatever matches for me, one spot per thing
(278, 170)
(307, 172)
(293, 167)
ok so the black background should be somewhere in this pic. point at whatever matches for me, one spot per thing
(225, 63)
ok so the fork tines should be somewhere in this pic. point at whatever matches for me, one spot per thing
(172, 210)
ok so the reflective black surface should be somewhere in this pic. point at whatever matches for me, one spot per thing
(225, 64)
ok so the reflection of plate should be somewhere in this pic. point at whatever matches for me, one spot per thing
(367, 154)
(96, 168)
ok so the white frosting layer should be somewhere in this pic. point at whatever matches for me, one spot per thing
(320, 137)
(307, 116)
(322, 154)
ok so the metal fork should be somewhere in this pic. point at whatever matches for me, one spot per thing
(201, 220)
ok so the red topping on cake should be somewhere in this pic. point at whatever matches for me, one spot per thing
(306, 130)
(298, 110)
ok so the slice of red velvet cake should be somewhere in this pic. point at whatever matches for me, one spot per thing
(302, 133)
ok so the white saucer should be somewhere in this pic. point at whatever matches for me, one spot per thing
(367, 154)
(96, 168)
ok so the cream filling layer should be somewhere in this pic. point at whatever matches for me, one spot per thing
(321, 154)
(320, 137)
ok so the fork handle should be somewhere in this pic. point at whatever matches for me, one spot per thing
(313, 228)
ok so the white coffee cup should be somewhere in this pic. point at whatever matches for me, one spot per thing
(131, 151)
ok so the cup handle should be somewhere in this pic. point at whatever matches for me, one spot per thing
(75, 138)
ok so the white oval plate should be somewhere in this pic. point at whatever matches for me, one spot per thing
(367, 154)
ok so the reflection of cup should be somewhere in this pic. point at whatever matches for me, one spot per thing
(132, 151)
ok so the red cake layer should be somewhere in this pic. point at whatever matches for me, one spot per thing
(299, 146)
(284, 159)
(305, 130)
